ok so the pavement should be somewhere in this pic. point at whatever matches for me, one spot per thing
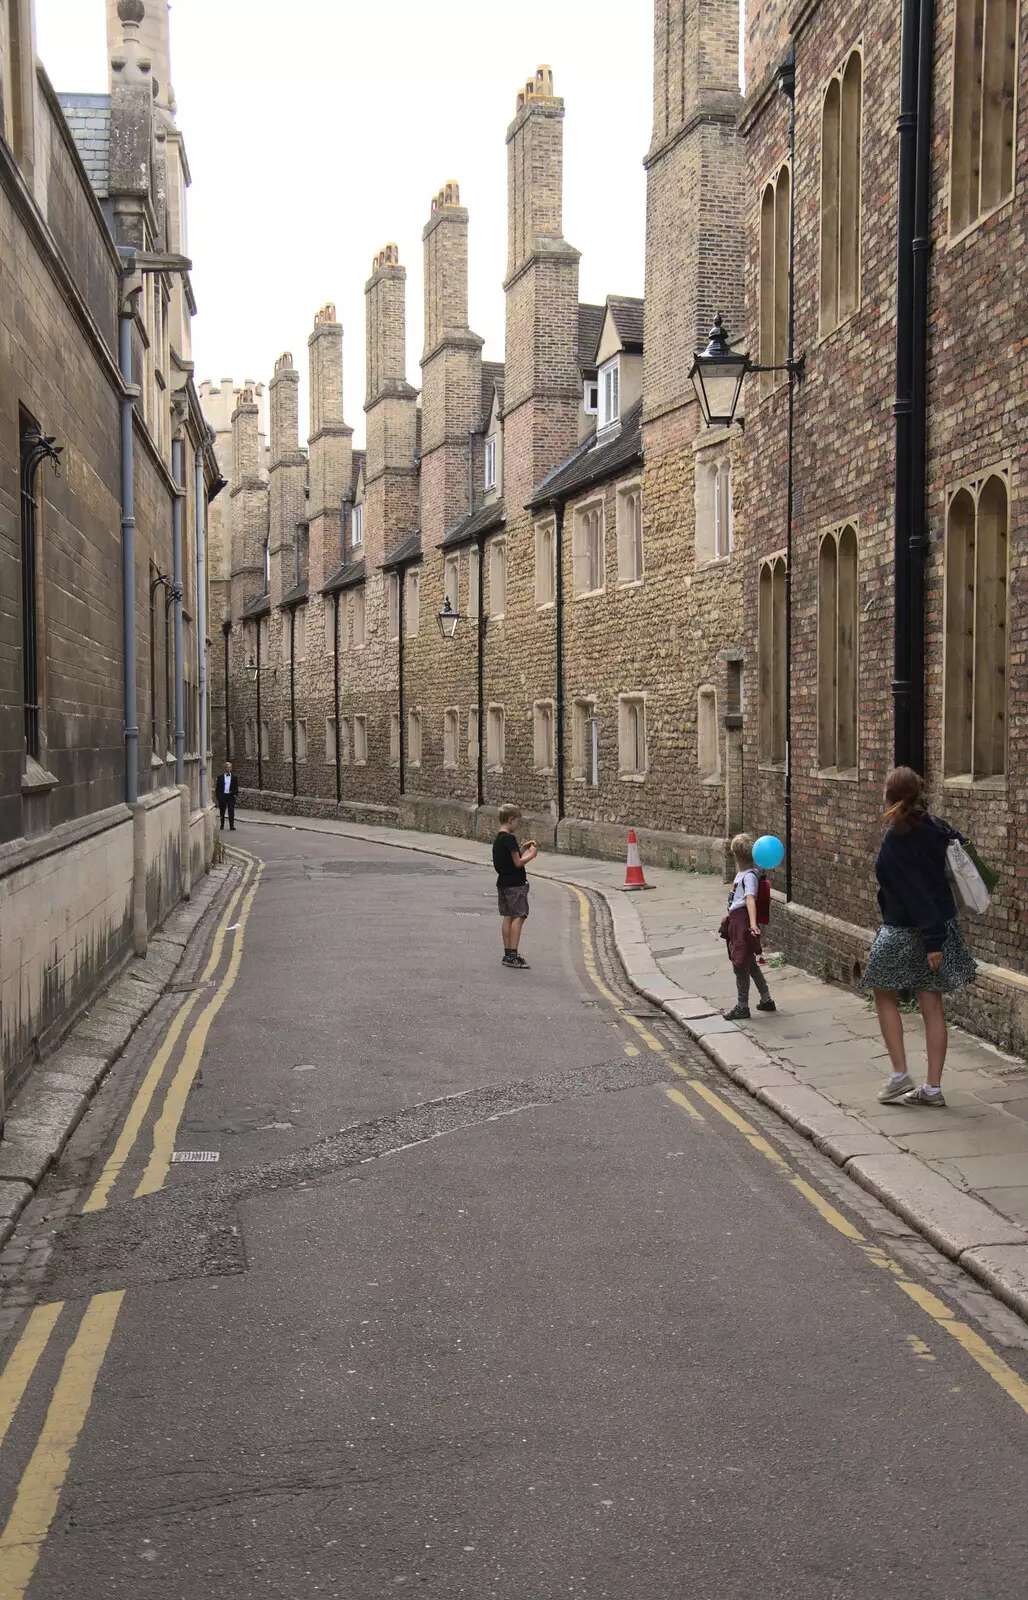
(499, 1289)
(959, 1175)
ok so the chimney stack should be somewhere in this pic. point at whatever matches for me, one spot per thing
(288, 477)
(249, 505)
(390, 470)
(451, 369)
(329, 447)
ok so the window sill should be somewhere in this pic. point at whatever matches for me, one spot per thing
(589, 594)
(37, 780)
(971, 785)
(545, 605)
(361, 763)
(494, 770)
(711, 780)
(978, 223)
(543, 772)
(450, 766)
(630, 583)
(839, 774)
(771, 766)
(826, 335)
(712, 564)
(631, 777)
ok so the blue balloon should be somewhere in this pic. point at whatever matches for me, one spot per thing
(768, 852)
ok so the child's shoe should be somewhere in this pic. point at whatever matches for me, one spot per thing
(737, 1014)
(515, 960)
(923, 1096)
(896, 1087)
(766, 1004)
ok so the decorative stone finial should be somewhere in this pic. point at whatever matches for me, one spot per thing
(449, 195)
(325, 315)
(130, 64)
(538, 88)
(389, 257)
(131, 10)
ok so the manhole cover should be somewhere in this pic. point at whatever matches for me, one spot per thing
(181, 1156)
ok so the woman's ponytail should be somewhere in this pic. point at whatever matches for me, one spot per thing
(904, 799)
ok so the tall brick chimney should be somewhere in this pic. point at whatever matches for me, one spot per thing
(330, 447)
(695, 191)
(451, 368)
(542, 375)
(390, 471)
(249, 503)
(288, 479)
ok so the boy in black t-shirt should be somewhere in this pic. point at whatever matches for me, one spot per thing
(512, 883)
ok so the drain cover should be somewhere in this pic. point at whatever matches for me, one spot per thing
(195, 1155)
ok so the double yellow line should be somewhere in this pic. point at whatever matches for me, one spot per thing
(39, 1489)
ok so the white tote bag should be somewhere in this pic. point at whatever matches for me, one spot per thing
(967, 882)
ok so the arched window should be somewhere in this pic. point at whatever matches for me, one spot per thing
(982, 124)
(774, 275)
(975, 680)
(840, 194)
(837, 651)
(771, 661)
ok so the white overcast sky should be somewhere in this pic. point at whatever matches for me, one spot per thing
(318, 131)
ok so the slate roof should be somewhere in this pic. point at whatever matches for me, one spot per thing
(628, 319)
(348, 576)
(492, 378)
(355, 469)
(89, 118)
(259, 606)
(594, 462)
(484, 520)
(297, 593)
(407, 551)
(590, 326)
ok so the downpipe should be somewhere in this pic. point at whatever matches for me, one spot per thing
(128, 555)
(558, 596)
(903, 407)
(921, 251)
(177, 456)
(201, 622)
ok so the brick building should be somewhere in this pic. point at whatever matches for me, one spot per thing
(102, 782)
(629, 645)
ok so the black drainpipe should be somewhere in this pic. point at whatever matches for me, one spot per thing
(292, 689)
(483, 623)
(787, 83)
(921, 250)
(558, 595)
(903, 407)
(400, 663)
(226, 628)
(260, 734)
(335, 702)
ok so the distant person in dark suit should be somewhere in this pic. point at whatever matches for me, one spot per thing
(225, 791)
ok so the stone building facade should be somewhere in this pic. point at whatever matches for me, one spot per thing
(102, 777)
(625, 641)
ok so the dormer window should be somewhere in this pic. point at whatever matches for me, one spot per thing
(490, 462)
(357, 531)
(591, 397)
(610, 392)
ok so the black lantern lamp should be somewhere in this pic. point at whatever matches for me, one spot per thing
(448, 619)
(717, 376)
(252, 669)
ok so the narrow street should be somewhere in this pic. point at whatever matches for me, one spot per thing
(495, 1289)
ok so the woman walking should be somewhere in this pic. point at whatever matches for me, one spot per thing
(919, 946)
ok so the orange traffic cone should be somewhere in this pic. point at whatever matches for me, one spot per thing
(634, 873)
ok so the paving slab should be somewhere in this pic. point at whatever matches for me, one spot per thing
(1011, 1201)
(1004, 1270)
(951, 1220)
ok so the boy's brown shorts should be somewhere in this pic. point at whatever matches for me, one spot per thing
(513, 901)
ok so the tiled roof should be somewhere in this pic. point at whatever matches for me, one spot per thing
(408, 550)
(348, 576)
(492, 378)
(89, 118)
(590, 326)
(294, 595)
(628, 319)
(259, 606)
(484, 520)
(355, 469)
(594, 462)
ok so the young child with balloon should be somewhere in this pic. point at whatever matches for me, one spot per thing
(740, 928)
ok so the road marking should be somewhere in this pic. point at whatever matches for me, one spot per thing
(43, 1479)
(589, 958)
(728, 1112)
(687, 1106)
(167, 1125)
(918, 1348)
(22, 1363)
(834, 1218)
(119, 1156)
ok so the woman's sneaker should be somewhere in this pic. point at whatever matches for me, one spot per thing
(923, 1096)
(896, 1088)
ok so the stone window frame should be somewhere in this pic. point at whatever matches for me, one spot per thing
(287, 739)
(772, 665)
(301, 740)
(392, 585)
(773, 275)
(415, 751)
(489, 473)
(357, 526)
(497, 573)
(583, 715)
(838, 652)
(585, 509)
(979, 118)
(473, 735)
(708, 739)
(412, 606)
(394, 738)
(249, 740)
(495, 736)
(474, 558)
(841, 199)
(331, 737)
(329, 626)
(264, 635)
(359, 615)
(265, 737)
(344, 734)
(546, 533)
(632, 728)
(976, 606)
(286, 640)
(300, 633)
(609, 398)
(360, 740)
(714, 510)
(544, 736)
(451, 581)
(451, 738)
(632, 490)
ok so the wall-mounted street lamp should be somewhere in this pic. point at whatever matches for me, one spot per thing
(717, 376)
(252, 670)
(448, 620)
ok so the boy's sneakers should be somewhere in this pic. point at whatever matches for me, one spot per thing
(923, 1096)
(737, 1014)
(898, 1085)
(512, 959)
(766, 1005)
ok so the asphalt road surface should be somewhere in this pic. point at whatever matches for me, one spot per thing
(494, 1292)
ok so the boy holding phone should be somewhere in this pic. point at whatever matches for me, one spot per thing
(512, 883)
